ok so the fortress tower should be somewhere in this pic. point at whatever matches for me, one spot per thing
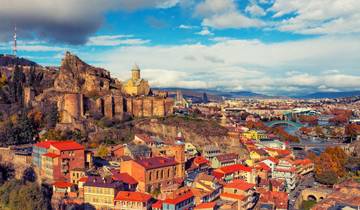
(73, 107)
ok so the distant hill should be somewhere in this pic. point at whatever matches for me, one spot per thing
(10, 60)
(213, 95)
(330, 95)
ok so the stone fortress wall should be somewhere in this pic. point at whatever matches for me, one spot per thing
(81, 91)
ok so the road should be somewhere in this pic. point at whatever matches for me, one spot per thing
(305, 182)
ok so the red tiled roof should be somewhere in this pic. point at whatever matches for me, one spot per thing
(180, 199)
(303, 162)
(200, 160)
(262, 166)
(51, 155)
(62, 184)
(157, 204)
(233, 196)
(217, 175)
(132, 196)
(233, 168)
(274, 160)
(226, 157)
(83, 179)
(240, 185)
(156, 162)
(124, 177)
(44, 144)
(206, 205)
(67, 145)
(280, 199)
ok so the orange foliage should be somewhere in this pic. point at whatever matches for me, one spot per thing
(332, 160)
(352, 129)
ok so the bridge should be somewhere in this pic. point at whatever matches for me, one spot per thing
(284, 122)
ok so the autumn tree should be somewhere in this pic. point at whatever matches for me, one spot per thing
(329, 166)
(352, 130)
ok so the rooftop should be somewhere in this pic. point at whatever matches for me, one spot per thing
(179, 198)
(123, 177)
(226, 157)
(233, 168)
(240, 185)
(132, 196)
(51, 155)
(62, 184)
(67, 145)
(98, 181)
(156, 162)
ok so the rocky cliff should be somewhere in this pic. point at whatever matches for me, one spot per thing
(78, 77)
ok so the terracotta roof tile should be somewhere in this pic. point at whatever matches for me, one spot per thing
(206, 205)
(180, 198)
(44, 144)
(51, 155)
(233, 196)
(156, 162)
(67, 145)
(124, 177)
(62, 184)
(233, 168)
(132, 196)
(240, 185)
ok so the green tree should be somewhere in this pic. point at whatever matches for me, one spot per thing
(51, 116)
(22, 132)
(15, 195)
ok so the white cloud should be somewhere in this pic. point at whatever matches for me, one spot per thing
(205, 32)
(318, 17)
(222, 14)
(255, 10)
(232, 20)
(230, 64)
(115, 40)
(182, 26)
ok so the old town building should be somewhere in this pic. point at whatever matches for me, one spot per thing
(152, 173)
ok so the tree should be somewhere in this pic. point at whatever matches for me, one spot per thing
(102, 151)
(330, 165)
(352, 130)
(7, 172)
(29, 175)
(51, 116)
(15, 194)
(23, 132)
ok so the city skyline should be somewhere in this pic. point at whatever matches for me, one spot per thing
(273, 47)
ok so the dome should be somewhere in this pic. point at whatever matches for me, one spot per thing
(135, 67)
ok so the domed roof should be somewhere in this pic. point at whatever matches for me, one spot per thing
(135, 67)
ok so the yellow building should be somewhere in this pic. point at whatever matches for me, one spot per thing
(136, 86)
(76, 174)
(255, 135)
(100, 192)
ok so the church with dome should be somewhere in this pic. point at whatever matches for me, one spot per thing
(136, 86)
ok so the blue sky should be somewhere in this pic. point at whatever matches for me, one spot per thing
(276, 47)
